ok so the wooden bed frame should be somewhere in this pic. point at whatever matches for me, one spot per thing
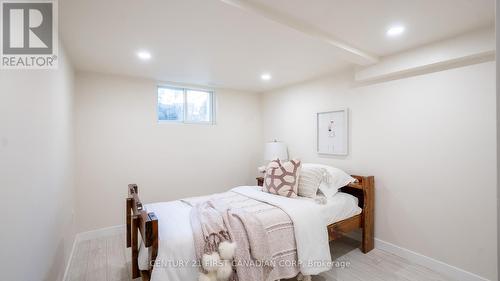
(140, 221)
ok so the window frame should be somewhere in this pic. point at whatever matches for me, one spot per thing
(184, 120)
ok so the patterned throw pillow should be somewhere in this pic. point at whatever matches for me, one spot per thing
(282, 178)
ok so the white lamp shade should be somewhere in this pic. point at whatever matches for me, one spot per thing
(275, 150)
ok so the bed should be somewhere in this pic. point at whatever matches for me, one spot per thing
(166, 223)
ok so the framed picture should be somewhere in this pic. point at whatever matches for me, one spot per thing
(332, 132)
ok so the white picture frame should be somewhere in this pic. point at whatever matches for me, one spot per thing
(332, 130)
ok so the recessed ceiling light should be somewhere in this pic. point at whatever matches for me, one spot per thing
(144, 55)
(395, 30)
(266, 77)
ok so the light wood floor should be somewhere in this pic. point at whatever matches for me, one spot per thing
(107, 259)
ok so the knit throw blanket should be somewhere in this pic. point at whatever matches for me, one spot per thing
(239, 238)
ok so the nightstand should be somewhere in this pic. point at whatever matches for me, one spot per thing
(260, 181)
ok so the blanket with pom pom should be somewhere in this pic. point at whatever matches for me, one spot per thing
(240, 238)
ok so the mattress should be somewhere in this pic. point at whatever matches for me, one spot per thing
(174, 226)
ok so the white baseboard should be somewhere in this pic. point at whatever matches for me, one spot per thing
(452, 272)
(71, 254)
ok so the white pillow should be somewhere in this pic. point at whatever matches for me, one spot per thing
(309, 181)
(337, 179)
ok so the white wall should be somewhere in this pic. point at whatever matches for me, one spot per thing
(119, 142)
(36, 172)
(430, 142)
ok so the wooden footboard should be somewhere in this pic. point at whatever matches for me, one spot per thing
(140, 222)
(364, 190)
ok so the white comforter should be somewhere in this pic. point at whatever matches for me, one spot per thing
(176, 243)
(309, 220)
(176, 253)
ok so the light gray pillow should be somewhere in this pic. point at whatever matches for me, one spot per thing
(336, 178)
(310, 180)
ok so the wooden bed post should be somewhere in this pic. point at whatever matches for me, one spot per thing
(153, 249)
(135, 247)
(139, 221)
(368, 242)
(363, 189)
(129, 218)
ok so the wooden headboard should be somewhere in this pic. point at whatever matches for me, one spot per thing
(364, 190)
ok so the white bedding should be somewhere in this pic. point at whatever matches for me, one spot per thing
(176, 248)
(309, 220)
(341, 206)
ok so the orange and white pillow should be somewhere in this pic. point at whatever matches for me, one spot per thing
(282, 178)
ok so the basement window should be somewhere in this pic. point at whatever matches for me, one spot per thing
(184, 105)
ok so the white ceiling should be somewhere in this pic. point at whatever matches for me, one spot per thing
(363, 23)
(213, 43)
